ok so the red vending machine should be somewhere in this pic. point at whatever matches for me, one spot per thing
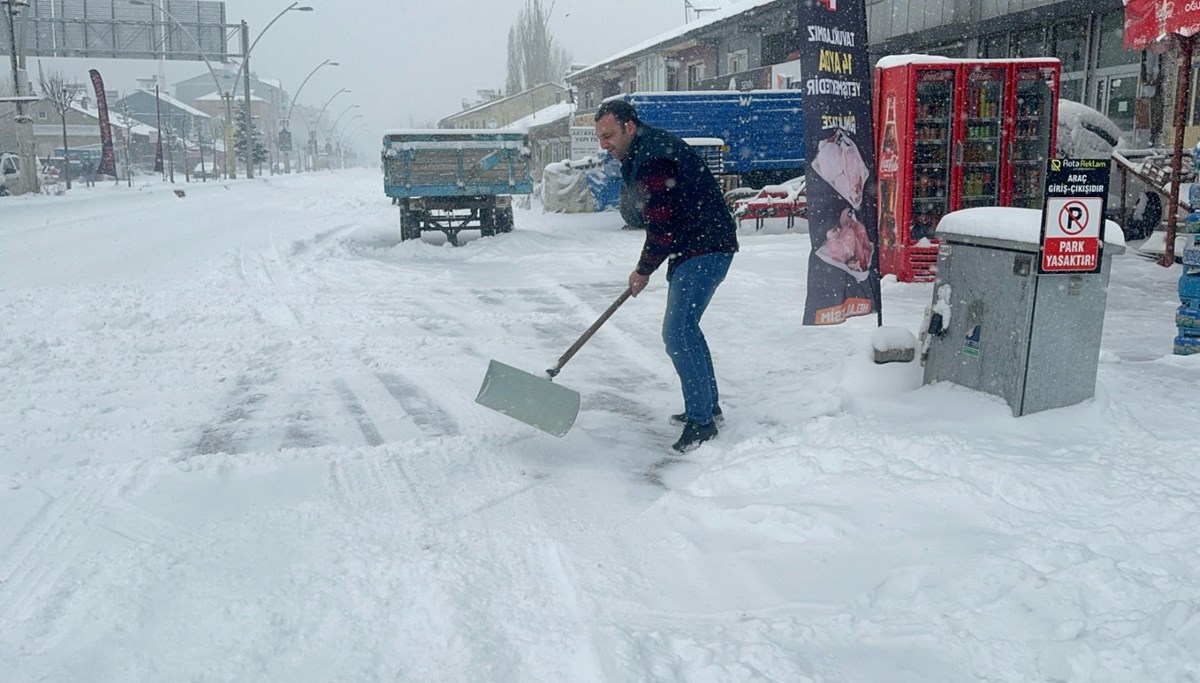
(1034, 130)
(956, 134)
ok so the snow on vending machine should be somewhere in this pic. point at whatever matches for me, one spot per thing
(956, 134)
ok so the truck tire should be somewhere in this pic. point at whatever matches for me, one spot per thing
(504, 220)
(487, 222)
(410, 224)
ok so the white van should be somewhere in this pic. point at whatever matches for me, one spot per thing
(10, 172)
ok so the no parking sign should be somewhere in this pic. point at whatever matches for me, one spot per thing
(1073, 216)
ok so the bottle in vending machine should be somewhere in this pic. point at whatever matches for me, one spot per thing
(889, 168)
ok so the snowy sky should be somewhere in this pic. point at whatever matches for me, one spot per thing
(238, 442)
(408, 62)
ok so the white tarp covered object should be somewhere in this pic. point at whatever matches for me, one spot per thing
(565, 187)
(1084, 133)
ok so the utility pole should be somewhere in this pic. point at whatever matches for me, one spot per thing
(246, 86)
(22, 122)
(230, 158)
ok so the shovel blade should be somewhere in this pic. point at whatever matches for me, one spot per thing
(532, 399)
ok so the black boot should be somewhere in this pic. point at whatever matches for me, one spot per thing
(693, 435)
(681, 418)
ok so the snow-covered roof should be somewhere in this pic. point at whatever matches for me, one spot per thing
(116, 119)
(704, 21)
(133, 125)
(213, 96)
(86, 111)
(489, 103)
(542, 117)
(178, 104)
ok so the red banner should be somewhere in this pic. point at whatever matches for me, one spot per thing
(1142, 23)
(108, 161)
(1149, 21)
(1183, 17)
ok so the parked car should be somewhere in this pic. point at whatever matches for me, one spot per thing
(10, 171)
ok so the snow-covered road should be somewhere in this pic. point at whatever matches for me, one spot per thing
(238, 442)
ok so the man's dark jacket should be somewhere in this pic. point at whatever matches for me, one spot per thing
(670, 192)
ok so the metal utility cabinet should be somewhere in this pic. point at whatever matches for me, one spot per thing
(997, 326)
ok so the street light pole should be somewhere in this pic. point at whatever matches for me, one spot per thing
(200, 49)
(317, 122)
(352, 119)
(22, 123)
(287, 120)
(352, 135)
(248, 133)
(244, 70)
(339, 118)
(333, 131)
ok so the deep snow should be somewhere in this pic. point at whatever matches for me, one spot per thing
(238, 443)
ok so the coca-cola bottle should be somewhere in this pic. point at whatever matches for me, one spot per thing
(889, 168)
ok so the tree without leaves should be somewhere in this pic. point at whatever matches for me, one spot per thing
(61, 95)
(533, 56)
(129, 122)
(516, 63)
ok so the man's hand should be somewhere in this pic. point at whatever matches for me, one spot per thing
(637, 282)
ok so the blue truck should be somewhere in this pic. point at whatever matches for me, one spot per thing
(757, 135)
(453, 180)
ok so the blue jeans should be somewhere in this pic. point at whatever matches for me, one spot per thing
(692, 285)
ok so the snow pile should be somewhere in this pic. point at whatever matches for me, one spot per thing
(1009, 223)
(238, 442)
(1084, 133)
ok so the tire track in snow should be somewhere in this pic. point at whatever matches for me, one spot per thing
(46, 549)
(223, 436)
(416, 402)
(301, 246)
(354, 407)
(549, 613)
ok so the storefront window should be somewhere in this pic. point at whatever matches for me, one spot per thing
(777, 47)
(1070, 44)
(1112, 41)
(994, 46)
(1071, 89)
(1030, 42)
(956, 50)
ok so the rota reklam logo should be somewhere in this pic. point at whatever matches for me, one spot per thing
(830, 5)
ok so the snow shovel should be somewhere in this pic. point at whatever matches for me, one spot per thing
(535, 399)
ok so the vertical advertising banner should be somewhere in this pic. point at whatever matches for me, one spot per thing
(839, 146)
(108, 159)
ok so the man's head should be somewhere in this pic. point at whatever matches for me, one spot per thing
(616, 124)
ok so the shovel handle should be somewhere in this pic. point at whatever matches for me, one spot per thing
(552, 372)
